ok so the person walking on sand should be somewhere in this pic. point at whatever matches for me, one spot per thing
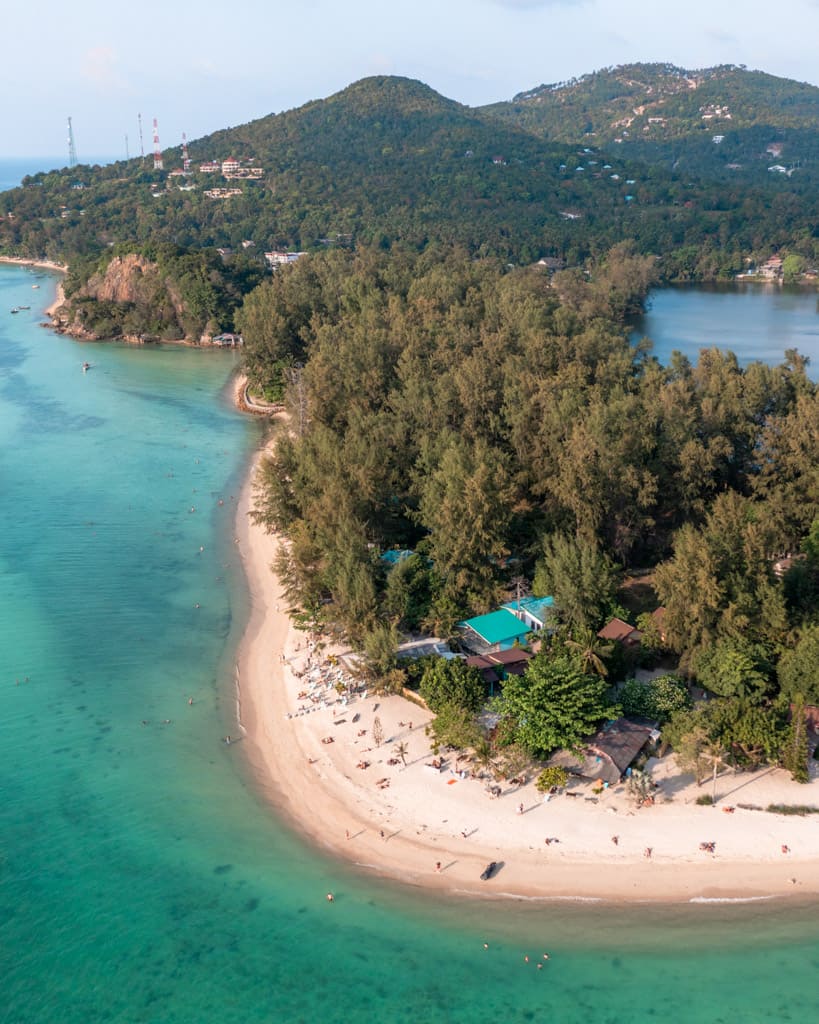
(438, 866)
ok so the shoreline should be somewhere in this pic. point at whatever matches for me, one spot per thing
(422, 817)
(50, 265)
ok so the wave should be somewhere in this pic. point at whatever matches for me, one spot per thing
(731, 899)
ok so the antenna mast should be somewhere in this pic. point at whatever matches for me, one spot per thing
(186, 163)
(141, 142)
(72, 149)
(127, 154)
(157, 151)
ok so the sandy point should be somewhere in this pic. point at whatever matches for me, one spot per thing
(386, 807)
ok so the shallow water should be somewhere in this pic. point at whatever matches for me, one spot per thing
(142, 878)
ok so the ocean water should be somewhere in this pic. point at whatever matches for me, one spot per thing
(12, 171)
(142, 876)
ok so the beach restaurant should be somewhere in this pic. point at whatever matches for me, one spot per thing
(609, 754)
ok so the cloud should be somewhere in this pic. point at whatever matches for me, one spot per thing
(99, 66)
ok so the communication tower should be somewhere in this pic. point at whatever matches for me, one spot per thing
(157, 151)
(186, 163)
(72, 149)
(141, 142)
(127, 153)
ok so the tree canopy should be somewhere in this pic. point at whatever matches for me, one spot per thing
(554, 704)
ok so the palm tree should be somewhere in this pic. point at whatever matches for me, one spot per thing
(714, 754)
(485, 755)
(590, 651)
(401, 750)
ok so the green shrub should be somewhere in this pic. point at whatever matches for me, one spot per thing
(800, 810)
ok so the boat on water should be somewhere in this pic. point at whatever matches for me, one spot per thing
(16, 309)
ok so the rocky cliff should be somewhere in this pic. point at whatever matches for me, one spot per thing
(129, 298)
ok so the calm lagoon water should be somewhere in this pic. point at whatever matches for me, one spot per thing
(755, 321)
(142, 877)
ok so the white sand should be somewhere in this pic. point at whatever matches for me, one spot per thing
(403, 830)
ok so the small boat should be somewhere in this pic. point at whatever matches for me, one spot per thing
(489, 870)
(35, 286)
(23, 307)
(16, 309)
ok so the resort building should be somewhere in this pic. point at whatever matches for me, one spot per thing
(278, 259)
(609, 754)
(497, 631)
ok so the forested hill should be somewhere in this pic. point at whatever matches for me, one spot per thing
(668, 115)
(387, 161)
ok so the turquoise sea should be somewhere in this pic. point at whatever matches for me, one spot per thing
(142, 878)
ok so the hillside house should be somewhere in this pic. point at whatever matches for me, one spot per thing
(279, 259)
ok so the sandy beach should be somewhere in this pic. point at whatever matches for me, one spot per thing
(439, 828)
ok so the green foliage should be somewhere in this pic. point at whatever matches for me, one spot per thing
(389, 162)
(734, 668)
(454, 726)
(640, 787)
(552, 777)
(793, 266)
(798, 668)
(580, 576)
(451, 682)
(797, 810)
(553, 704)
(748, 734)
(657, 699)
(380, 647)
(795, 748)
(719, 582)
(408, 592)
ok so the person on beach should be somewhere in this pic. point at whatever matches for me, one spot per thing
(438, 866)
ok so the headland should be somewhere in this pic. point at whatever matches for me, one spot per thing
(316, 760)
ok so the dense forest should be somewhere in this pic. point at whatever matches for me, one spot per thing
(388, 161)
(497, 423)
(451, 397)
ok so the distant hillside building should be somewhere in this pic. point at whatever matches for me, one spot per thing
(278, 259)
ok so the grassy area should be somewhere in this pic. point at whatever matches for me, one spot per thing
(801, 810)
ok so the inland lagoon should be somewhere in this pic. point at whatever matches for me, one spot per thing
(756, 321)
(143, 878)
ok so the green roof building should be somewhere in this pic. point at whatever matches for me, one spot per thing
(497, 631)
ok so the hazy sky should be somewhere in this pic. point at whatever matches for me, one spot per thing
(199, 65)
